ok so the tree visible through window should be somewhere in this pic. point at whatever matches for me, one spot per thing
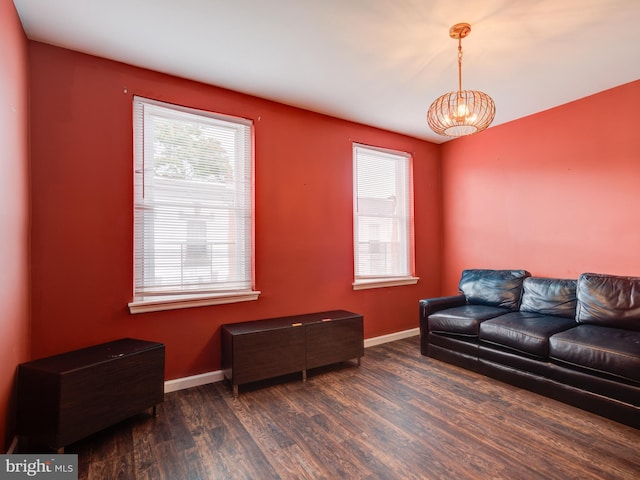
(193, 203)
(188, 150)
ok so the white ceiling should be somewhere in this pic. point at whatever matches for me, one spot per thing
(377, 62)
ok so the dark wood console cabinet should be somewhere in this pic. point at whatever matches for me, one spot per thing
(262, 349)
(66, 397)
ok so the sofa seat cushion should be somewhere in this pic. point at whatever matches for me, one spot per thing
(606, 350)
(463, 320)
(524, 331)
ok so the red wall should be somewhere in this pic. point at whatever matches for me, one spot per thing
(82, 213)
(14, 212)
(556, 193)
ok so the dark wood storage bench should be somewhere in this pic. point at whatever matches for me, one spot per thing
(262, 349)
(66, 397)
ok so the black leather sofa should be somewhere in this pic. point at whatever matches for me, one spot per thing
(577, 341)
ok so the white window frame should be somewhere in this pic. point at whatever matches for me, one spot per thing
(394, 255)
(168, 212)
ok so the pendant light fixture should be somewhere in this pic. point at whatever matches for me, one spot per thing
(462, 112)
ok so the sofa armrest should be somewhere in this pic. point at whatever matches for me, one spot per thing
(431, 305)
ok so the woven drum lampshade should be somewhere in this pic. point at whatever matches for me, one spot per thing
(462, 112)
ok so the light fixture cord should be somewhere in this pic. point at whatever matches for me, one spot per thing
(460, 65)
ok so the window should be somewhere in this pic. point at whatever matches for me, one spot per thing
(193, 225)
(383, 218)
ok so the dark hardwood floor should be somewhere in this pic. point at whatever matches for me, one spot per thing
(398, 416)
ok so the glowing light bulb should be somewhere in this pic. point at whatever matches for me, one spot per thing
(463, 110)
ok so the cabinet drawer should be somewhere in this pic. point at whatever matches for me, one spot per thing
(334, 341)
(261, 355)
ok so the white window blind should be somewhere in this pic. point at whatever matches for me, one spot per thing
(193, 227)
(383, 223)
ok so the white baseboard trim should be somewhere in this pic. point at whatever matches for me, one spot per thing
(193, 381)
(217, 376)
(392, 337)
(13, 446)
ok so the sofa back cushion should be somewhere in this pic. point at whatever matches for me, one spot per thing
(497, 288)
(549, 296)
(609, 300)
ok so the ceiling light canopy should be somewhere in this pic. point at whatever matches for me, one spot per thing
(462, 112)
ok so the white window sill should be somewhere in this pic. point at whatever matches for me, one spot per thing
(364, 284)
(159, 304)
